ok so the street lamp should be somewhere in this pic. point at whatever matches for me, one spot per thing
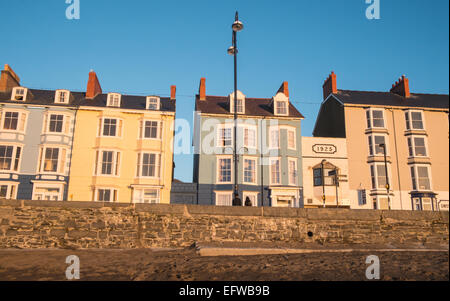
(323, 181)
(236, 27)
(383, 146)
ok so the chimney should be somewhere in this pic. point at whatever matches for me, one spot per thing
(202, 89)
(8, 79)
(401, 87)
(173, 92)
(93, 85)
(330, 85)
(284, 89)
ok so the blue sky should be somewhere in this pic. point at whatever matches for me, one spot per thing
(143, 47)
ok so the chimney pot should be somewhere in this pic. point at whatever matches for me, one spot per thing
(401, 87)
(202, 89)
(173, 92)
(93, 86)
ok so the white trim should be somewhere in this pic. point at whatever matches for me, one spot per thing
(119, 127)
(415, 167)
(114, 192)
(409, 122)
(295, 160)
(249, 127)
(221, 193)
(219, 128)
(371, 110)
(158, 165)
(20, 113)
(13, 158)
(413, 146)
(114, 167)
(218, 158)
(45, 185)
(158, 130)
(10, 195)
(273, 128)
(112, 99)
(255, 159)
(151, 98)
(58, 96)
(279, 170)
(250, 193)
(14, 94)
(372, 146)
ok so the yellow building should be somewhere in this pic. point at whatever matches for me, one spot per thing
(123, 147)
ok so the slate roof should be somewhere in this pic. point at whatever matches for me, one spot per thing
(253, 106)
(47, 97)
(437, 101)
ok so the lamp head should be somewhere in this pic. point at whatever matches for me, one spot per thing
(237, 26)
(232, 50)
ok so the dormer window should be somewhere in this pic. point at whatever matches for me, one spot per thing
(62, 96)
(153, 103)
(240, 103)
(19, 94)
(114, 100)
(281, 107)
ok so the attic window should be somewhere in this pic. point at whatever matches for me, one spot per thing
(240, 103)
(62, 96)
(114, 100)
(153, 103)
(19, 94)
(281, 107)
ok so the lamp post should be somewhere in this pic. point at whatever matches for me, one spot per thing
(383, 146)
(323, 181)
(237, 26)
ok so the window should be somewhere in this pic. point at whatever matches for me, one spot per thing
(56, 123)
(47, 193)
(252, 196)
(362, 197)
(291, 139)
(249, 137)
(274, 141)
(51, 159)
(224, 170)
(292, 171)
(240, 103)
(225, 136)
(106, 195)
(420, 178)
(375, 118)
(240, 106)
(250, 171)
(19, 94)
(146, 196)
(416, 146)
(8, 191)
(149, 165)
(414, 120)
(329, 180)
(151, 129)
(378, 175)
(374, 145)
(281, 108)
(62, 96)
(110, 127)
(317, 175)
(108, 163)
(11, 120)
(153, 103)
(9, 157)
(223, 198)
(114, 100)
(275, 177)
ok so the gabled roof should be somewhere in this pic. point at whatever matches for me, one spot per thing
(253, 106)
(436, 101)
(47, 97)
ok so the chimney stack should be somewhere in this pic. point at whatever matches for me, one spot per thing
(8, 79)
(173, 92)
(330, 85)
(284, 89)
(202, 89)
(93, 85)
(401, 87)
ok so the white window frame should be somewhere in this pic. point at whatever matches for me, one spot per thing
(14, 158)
(60, 169)
(219, 140)
(218, 158)
(114, 194)
(14, 93)
(255, 159)
(114, 100)
(295, 160)
(119, 127)
(22, 121)
(271, 140)
(294, 131)
(116, 166)
(150, 99)
(139, 195)
(254, 194)
(388, 176)
(249, 128)
(223, 193)
(271, 160)
(416, 178)
(158, 164)
(10, 193)
(47, 185)
(158, 130)
(371, 110)
(411, 139)
(409, 121)
(372, 144)
(242, 99)
(58, 96)
(276, 111)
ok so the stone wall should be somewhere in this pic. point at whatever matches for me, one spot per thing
(46, 224)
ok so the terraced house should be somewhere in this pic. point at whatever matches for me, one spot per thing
(36, 135)
(268, 145)
(410, 129)
(123, 147)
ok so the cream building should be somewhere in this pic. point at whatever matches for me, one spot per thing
(411, 129)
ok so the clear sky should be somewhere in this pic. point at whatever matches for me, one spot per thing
(143, 47)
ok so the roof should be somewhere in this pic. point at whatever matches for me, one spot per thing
(253, 106)
(436, 101)
(47, 97)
